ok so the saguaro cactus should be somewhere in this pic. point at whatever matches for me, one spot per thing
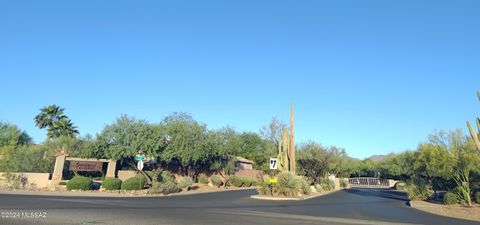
(474, 133)
(284, 151)
(286, 147)
(292, 140)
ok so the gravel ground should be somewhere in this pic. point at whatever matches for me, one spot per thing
(455, 211)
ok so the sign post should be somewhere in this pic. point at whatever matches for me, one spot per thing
(140, 157)
(273, 181)
(273, 163)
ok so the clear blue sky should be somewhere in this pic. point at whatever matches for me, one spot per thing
(371, 76)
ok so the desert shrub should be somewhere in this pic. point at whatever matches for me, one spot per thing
(343, 183)
(318, 187)
(247, 181)
(236, 181)
(288, 184)
(169, 187)
(155, 188)
(216, 180)
(264, 186)
(304, 185)
(166, 176)
(134, 183)
(450, 198)
(163, 188)
(400, 186)
(79, 183)
(203, 179)
(185, 183)
(112, 183)
(327, 184)
(477, 197)
(417, 192)
(255, 182)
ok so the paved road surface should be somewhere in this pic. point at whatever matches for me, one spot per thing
(353, 206)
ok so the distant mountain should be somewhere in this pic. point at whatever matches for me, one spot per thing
(377, 157)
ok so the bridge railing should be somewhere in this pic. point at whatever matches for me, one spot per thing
(369, 182)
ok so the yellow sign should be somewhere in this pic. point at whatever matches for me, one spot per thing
(273, 180)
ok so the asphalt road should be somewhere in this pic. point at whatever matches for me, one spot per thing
(353, 206)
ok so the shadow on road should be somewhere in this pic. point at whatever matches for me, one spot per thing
(384, 193)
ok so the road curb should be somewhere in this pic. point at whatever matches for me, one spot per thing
(112, 195)
(268, 198)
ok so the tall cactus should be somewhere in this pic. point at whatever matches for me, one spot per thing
(473, 133)
(286, 147)
(284, 151)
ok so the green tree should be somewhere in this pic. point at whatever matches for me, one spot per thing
(187, 143)
(313, 161)
(57, 123)
(11, 136)
(463, 159)
(432, 162)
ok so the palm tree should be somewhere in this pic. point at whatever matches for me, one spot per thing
(63, 127)
(48, 115)
(52, 117)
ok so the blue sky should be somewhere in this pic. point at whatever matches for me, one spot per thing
(373, 77)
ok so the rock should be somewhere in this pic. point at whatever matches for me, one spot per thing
(210, 184)
(313, 189)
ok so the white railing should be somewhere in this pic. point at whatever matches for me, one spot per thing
(368, 182)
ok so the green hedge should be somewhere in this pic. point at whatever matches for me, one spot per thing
(134, 183)
(112, 183)
(79, 183)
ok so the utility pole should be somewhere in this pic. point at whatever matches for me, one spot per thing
(292, 140)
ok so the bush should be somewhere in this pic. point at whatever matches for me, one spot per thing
(247, 182)
(185, 183)
(400, 186)
(236, 181)
(477, 197)
(304, 185)
(288, 184)
(203, 179)
(134, 183)
(166, 176)
(112, 183)
(264, 186)
(216, 180)
(318, 187)
(163, 188)
(450, 198)
(79, 183)
(255, 182)
(327, 184)
(344, 183)
(417, 192)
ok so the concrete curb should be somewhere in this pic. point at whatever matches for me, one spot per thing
(268, 198)
(111, 195)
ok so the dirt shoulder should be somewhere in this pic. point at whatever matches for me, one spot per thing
(456, 211)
